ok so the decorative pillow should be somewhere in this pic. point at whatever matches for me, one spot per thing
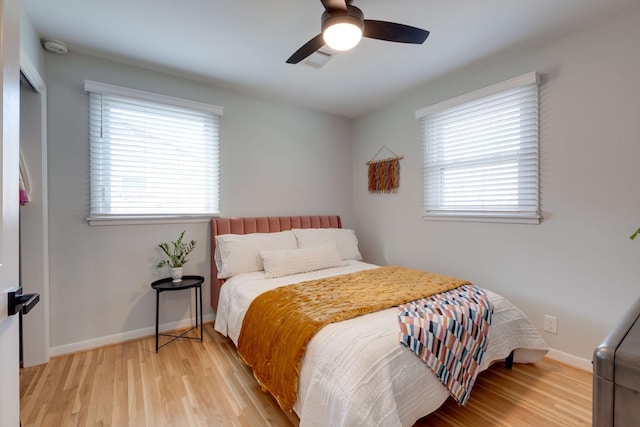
(240, 253)
(344, 238)
(301, 260)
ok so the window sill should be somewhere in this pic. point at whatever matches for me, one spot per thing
(149, 220)
(483, 218)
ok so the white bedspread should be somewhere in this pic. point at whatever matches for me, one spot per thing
(356, 372)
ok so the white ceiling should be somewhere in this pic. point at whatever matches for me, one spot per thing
(243, 44)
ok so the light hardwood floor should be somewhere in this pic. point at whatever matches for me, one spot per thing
(189, 383)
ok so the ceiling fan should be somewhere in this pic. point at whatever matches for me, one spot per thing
(343, 25)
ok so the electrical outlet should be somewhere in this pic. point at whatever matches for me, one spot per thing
(550, 324)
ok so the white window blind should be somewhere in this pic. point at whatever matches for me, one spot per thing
(481, 154)
(151, 156)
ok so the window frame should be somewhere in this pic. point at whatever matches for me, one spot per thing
(147, 218)
(479, 215)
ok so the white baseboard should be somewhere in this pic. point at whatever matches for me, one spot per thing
(570, 359)
(560, 356)
(125, 336)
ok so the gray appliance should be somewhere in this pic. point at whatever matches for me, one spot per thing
(616, 374)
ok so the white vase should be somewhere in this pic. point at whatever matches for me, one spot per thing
(176, 274)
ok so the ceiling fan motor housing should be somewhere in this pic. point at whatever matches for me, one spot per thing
(353, 15)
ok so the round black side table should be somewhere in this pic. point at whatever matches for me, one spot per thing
(188, 282)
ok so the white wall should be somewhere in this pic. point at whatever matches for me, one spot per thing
(30, 50)
(276, 160)
(579, 264)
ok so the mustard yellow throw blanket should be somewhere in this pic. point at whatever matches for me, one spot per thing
(279, 323)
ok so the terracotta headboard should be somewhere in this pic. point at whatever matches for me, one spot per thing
(265, 224)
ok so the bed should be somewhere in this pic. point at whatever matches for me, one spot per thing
(354, 372)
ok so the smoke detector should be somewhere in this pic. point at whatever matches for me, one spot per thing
(55, 46)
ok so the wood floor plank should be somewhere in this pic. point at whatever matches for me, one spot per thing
(203, 384)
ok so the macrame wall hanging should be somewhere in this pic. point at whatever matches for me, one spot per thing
(384, 175)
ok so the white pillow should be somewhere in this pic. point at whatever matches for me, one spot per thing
(292, 261)
(344, 238)
(240, 253)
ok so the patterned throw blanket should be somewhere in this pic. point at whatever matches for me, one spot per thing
(449, 332)
(279, 323)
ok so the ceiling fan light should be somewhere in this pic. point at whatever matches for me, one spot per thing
(342, 36)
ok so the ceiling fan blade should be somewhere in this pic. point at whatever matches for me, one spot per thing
(331, 5)
(390, 31)
(307, 49)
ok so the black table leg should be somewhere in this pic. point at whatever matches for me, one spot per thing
(200, 287)
(196, 304)
(157, 306)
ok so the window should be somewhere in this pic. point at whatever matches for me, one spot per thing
(151, 156)
(481, 154)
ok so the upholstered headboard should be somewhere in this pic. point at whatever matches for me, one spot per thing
(265, 224)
